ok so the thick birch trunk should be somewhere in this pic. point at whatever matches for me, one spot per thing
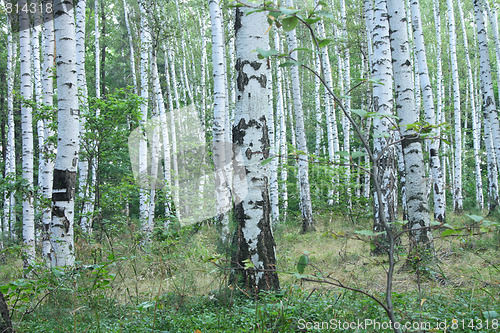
(383, 135)
(253, 238)
(421, 242)
(63, 196)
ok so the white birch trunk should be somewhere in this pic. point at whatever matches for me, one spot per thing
(131, 46)
(383, 104)
(83, 162)
(143, 149)
(346, 125)
(457, 181)
(283, 144)
(27, 137)
(254, 238)
(489, 106)
(421, 240)
(303, 163)
(222, 152)
(429, 111)
(475, 129)
(47, 92)
(10, 154)
(63, 196)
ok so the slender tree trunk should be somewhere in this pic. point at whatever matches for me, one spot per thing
(346, 125)
(47, 91)
(430, 114)
(63, 197)
(143, 149)
(222, 152)
(253, 239)
(83, 163)
(421, 242)
(475, 129)
(303, 163)
(27, 137)
(283, 144)
(383, 136)
(457, 182)
(489, 106)
(131, 46)
(10, 154)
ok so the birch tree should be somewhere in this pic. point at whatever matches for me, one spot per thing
(47, 92)
(27, 136)
(473, 112)
(457, 182)
(222, 153)
(489, 106)
(63, 197)
(253, 238)
(10, 153)
(430, 114)
(383, 104)
(421, 243)
(303, 164)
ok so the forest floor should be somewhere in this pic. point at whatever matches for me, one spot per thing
(176, 287)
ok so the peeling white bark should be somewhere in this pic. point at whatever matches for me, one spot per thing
(63, 196)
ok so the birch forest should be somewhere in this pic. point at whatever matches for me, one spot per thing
(249, 166)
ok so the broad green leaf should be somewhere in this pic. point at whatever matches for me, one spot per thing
(492, 314)
(325, 14)
(342, 153)
(449, 232)
(303, 262)
(357, 154)
(291, 63)
(289, 23)
(368, 232)
(476, 218)
(288, 11)
(324, 42)
(267, 161)
(266, 53)
(360, 112)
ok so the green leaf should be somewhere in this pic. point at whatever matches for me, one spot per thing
(248, 264)
(342, 153)
(312, 20)
(449, 232)
(288, 11)
(324, 42)
(357, 154)
(435, 223)
(267, 161)
(289, 23)
(266, 53)
(303, 262)
(490, 314)
(476, 218)
(360, 112)
(368, 232)
(291, 63)
(325, 14)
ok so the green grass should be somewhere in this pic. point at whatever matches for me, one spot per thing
(173, 287)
